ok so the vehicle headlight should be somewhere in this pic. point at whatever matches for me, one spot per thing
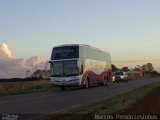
(113, 78)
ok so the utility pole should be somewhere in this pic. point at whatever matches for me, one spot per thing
(28, 72)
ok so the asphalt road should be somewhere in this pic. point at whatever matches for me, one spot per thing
(42, 103)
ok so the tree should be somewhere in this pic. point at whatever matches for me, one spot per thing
(138, 68)
(147, 68)
(125, 69)
(114, 68)
(150, 67)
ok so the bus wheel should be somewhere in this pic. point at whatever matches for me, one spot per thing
(105, 80)
(63, 87)
(86, 82)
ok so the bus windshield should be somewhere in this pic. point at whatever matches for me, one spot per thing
(57, 69)
(64, 68)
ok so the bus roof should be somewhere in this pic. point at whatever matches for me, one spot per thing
(83, 45)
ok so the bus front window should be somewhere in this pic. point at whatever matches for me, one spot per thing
(71, 68)
(64, 68)
(57, 70)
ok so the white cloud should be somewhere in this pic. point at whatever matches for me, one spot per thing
(5, 51)
(34, 61)
(11, 67)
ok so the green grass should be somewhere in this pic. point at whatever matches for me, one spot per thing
(144, 77)
(117, 104)
(25, 87)
(13, 88)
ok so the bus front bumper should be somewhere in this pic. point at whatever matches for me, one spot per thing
(63, 82)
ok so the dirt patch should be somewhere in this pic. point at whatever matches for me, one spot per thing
(149, 105)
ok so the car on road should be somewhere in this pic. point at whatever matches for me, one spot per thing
(119, 76)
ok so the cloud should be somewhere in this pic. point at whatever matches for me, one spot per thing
(35, 61)
(5, 52)
(11, 67)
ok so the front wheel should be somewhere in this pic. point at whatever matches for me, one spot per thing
(125, 80)
(86, 82)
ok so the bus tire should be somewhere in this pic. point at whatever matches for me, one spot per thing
(105, 80)
(86, 82)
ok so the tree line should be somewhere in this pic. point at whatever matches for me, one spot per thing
(146, 69)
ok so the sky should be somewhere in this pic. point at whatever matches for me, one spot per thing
(29, 29)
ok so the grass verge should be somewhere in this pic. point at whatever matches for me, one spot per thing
(13, 88)
(110, 106)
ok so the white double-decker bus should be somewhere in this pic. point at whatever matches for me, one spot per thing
(79, 65)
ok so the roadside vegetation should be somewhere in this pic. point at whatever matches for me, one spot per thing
(12, 88)
(23, 87)
(112, 106)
